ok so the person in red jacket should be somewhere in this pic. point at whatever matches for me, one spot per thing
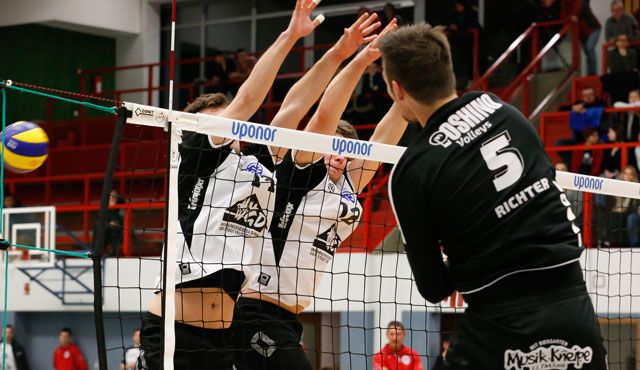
(67, 356)
(395, 355)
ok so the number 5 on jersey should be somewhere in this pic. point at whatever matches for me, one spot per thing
(504, 159)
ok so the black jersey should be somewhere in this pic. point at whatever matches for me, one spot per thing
(478, 183)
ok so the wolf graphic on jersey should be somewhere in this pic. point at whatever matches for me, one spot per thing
(328, 241)
(245, 218)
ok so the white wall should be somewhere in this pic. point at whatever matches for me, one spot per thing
(140, 48)
(106, 18)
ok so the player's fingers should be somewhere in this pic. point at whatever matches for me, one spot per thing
(312, 4)
(370, 38)
(360, 21)
(367, 22)
(371, 28)
(318, 20)
(298, 4)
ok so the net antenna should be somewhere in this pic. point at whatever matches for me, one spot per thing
(170, 250)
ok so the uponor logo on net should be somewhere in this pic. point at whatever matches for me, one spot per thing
(583, 182)
(245, 130)
(350, 147)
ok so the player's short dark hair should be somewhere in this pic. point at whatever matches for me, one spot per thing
(589, 131)
(9, 326)
(66, 330)
(136, 329)
(346, 130)
(240, 50)
(205, 101)
(418, 57)
(395, 324)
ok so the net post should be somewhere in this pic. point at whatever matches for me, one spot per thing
(169, 252)
(98, 238)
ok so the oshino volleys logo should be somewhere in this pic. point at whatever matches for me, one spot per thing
(548, 354)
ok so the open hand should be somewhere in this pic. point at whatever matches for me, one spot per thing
(371, 53)
(357, 35)
(301, 24)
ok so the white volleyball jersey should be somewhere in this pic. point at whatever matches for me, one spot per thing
(313, 215)
(225, 208)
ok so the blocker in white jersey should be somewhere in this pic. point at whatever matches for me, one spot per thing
(313, 215)
(226, 202)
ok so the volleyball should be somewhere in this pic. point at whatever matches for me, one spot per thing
(26, 147)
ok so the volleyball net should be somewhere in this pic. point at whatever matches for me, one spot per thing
(352, 282)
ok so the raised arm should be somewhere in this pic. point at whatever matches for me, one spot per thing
(388, 131)
(337, 96)
(308, 89)
(253, 91)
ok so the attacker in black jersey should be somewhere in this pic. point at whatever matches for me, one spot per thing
(477, 182)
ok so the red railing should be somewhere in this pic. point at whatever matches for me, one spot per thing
(523, 78)
(532, 33)
(97, 74)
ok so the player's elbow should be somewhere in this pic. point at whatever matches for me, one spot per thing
(433, 293)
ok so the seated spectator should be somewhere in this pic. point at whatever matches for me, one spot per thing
(218, 73)
(611, 160)
(444, 347)
(244, 65)
(581, 117)
(372, 100)
(622, 59)
(633, 212)
(588, 99)
(588, 161)
(620, 23)
(630, 121)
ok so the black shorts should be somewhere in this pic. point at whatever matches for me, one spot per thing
(554, 328)
(196, 348)
(267, 337)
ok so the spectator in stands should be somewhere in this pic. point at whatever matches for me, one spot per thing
(549, 11)
(633, 218)
(67, 356)
(588, 161)
(579, 12)
(620, 212)
(611, 160)
(629, 120)
(372, 100)
(388, 13)
(462, 18)
(131, 354)
(395, 355)
(620, 23)
(622, 59)
(16, 356)
(439, 364)
(218, 73)
(588, 99)
(115, 223)
(244, 65)
(579, 119)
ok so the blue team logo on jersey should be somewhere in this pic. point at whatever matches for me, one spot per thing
(348, 196)
(255, 168)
